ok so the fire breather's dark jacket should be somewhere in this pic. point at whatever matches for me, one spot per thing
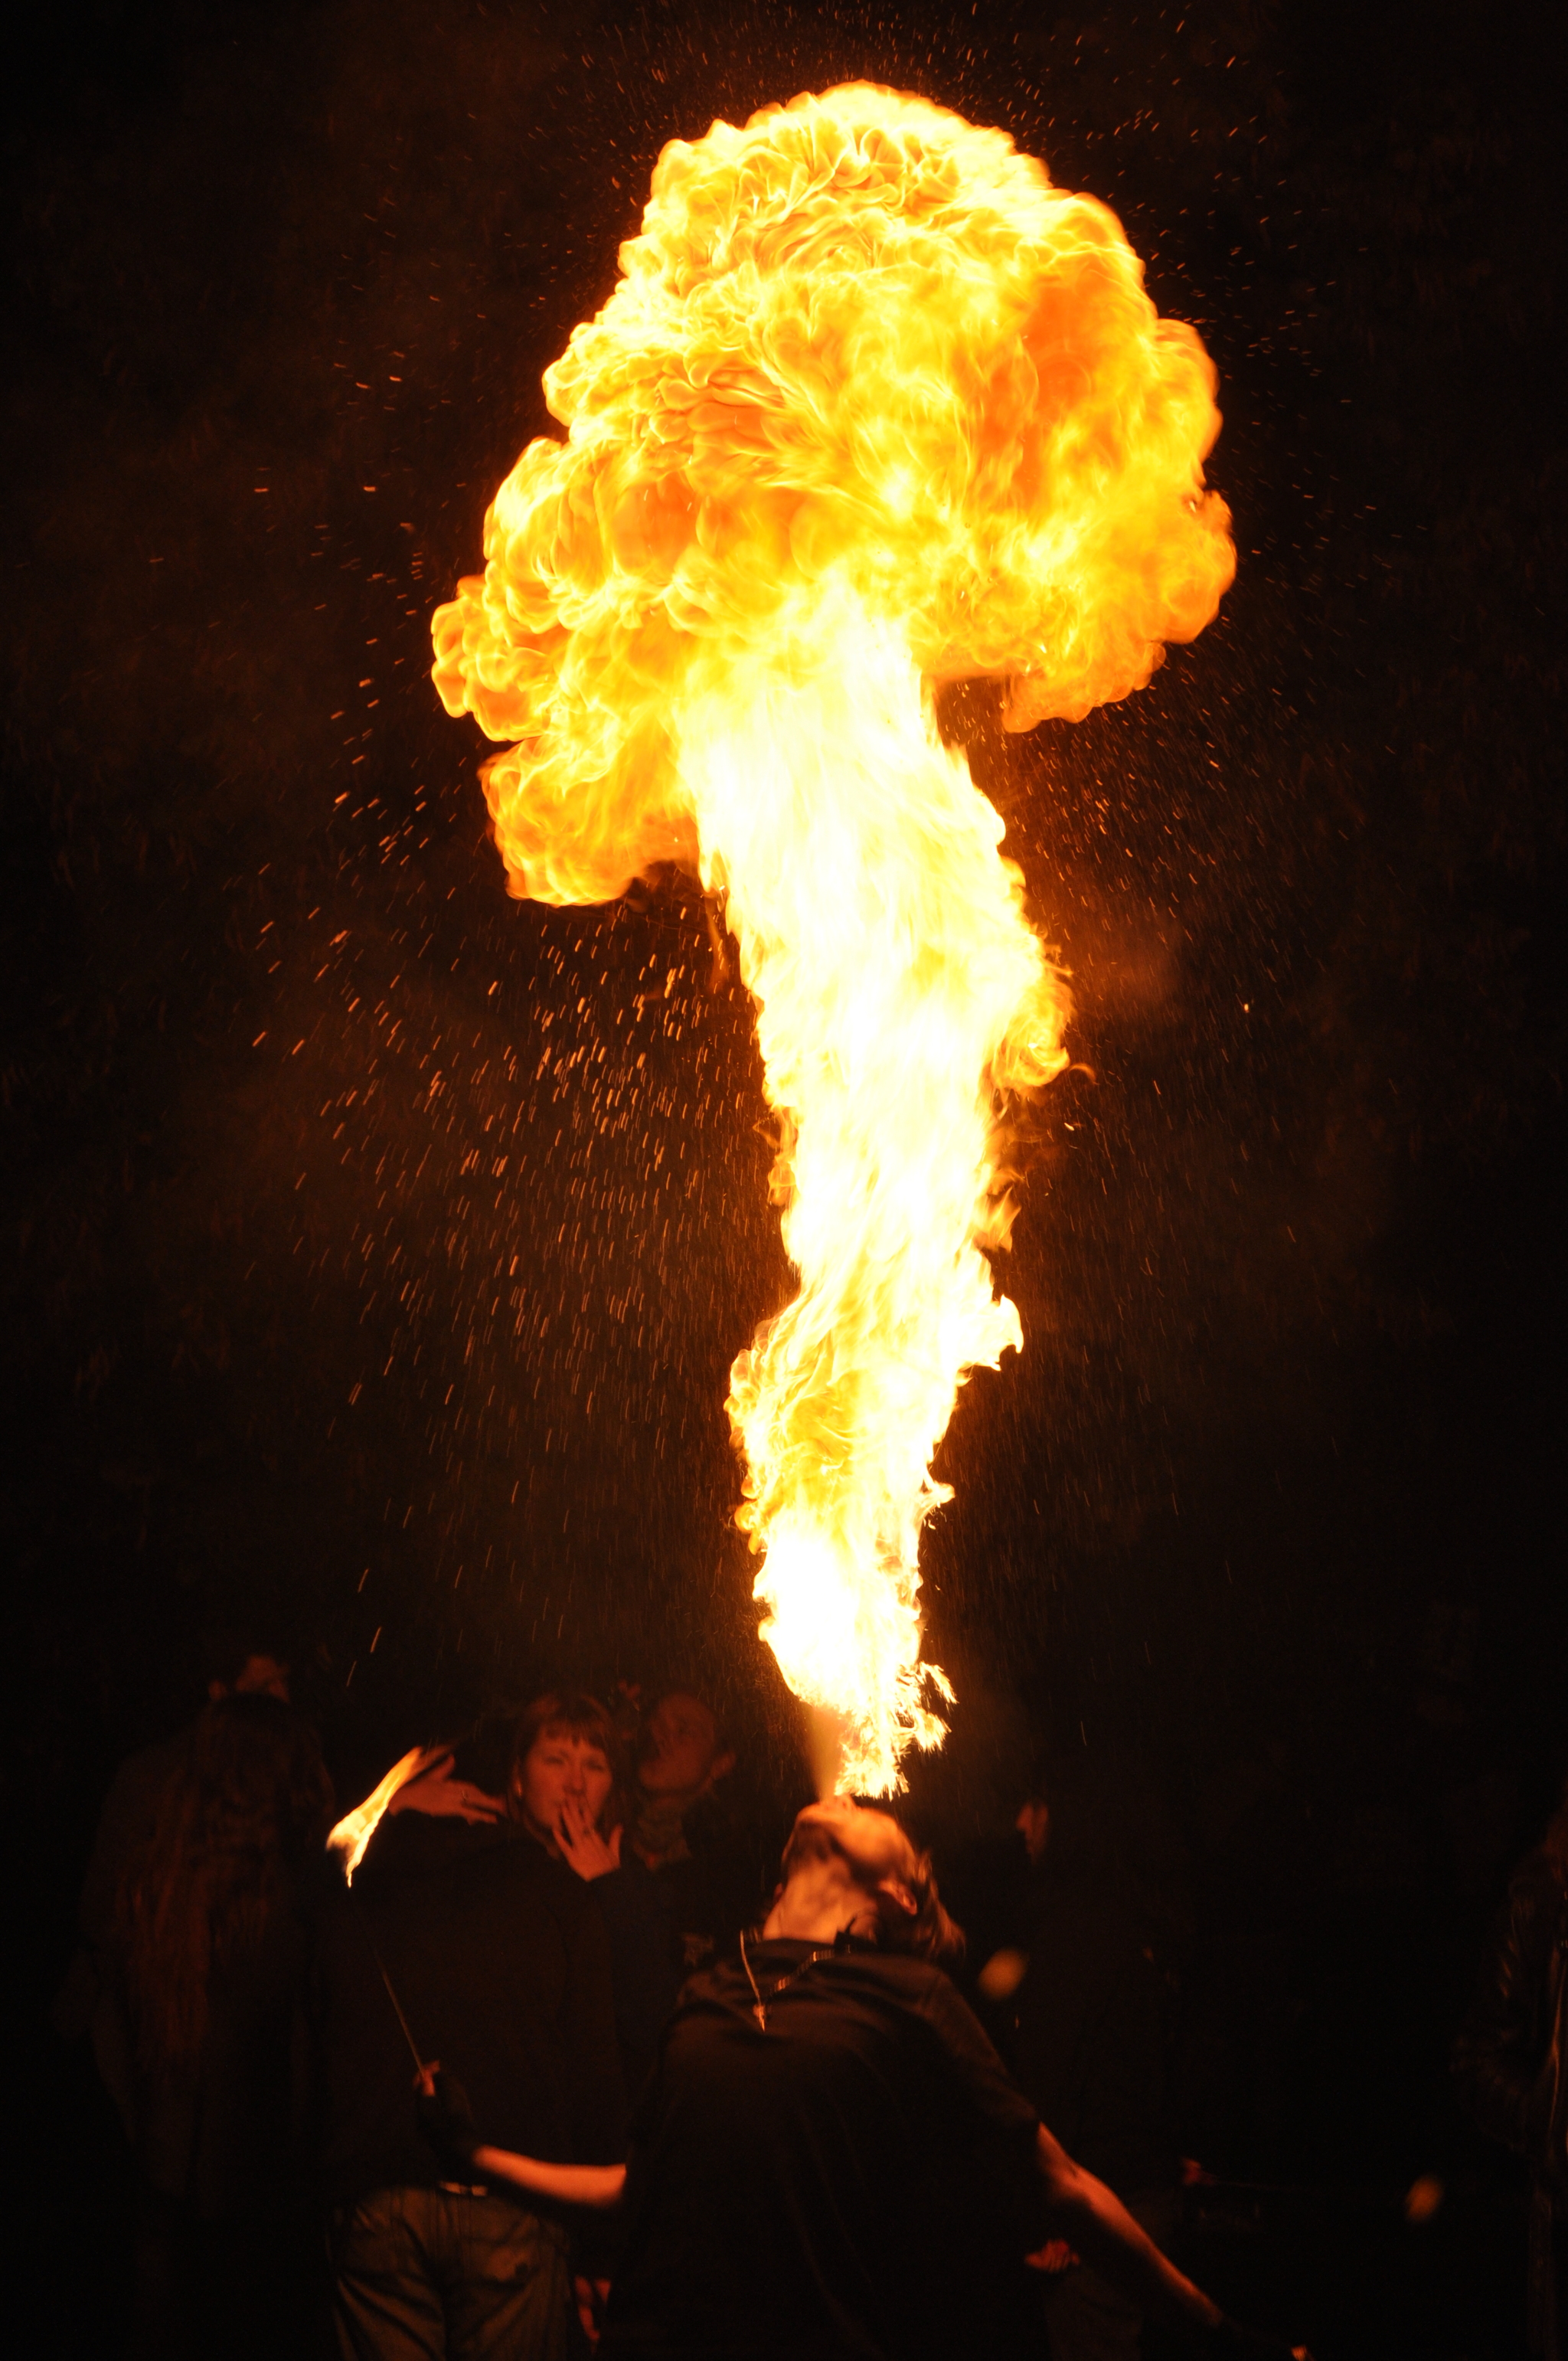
(500, 1961)
(1512, 2061)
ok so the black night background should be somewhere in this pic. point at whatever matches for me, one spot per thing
(377, 1248)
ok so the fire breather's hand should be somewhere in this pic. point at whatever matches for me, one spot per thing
(1054, 2257)
(585, 1850)
(437, 1791)
(445, 2118)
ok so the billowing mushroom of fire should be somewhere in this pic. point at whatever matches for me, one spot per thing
(872, 406)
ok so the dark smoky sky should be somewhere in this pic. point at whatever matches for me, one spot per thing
(377, 1247)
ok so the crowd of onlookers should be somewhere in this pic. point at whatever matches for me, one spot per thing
(541, 1887)
(432, 2027)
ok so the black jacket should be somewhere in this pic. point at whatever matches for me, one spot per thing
(500, 1961)
(638, 1919)
(1512, 2062)
(840, 2182)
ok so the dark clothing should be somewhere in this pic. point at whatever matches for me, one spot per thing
(438, 2274)
(790, 2192)
(1089, 2042)
(92, 2001)
(635, 1906)
(1512, 2060)
(214, 2133)
(221, 2132)
(125, 1828)
(713, 1871)
(704, 1917)
(501, 1962)
(222, 2255)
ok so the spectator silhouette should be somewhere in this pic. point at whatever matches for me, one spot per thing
(1512, 2064)
(204, 1961)
(467, 1938)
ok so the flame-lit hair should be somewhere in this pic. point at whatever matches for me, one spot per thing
(931, 1933)
(251, 1803)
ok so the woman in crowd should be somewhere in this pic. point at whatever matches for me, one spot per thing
(461, 1940)
(206, 1959)
(569, 1792)
(567, 1788)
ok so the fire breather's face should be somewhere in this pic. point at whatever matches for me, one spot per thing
(872, 1842)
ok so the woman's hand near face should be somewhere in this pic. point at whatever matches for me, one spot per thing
(582, 1846)
(438, 1792)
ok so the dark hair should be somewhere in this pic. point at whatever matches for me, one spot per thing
(251, 1800)
(931, 1934)
(227, 1648)
(583, 1716)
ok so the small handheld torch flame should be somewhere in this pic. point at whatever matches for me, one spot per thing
(872, 406)
(350, 1838)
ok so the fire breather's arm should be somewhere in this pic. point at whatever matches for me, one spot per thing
(1104, 2231)
(596, 2185)
(1099, 2227)
(446, 2119)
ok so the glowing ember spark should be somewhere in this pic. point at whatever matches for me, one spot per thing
(872, 406)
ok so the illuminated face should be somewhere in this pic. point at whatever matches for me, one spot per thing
(562, 1766)
(680, 1748)
(875, 1848)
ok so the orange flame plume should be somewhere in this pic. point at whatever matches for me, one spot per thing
(872, 406)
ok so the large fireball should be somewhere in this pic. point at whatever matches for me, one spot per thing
(872, 406)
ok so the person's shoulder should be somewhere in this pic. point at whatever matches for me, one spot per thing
(899, 1976)
(921, 1996)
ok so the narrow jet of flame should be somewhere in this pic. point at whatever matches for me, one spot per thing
(872, 406)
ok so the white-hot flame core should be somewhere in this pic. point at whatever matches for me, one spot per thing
(881, 934)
